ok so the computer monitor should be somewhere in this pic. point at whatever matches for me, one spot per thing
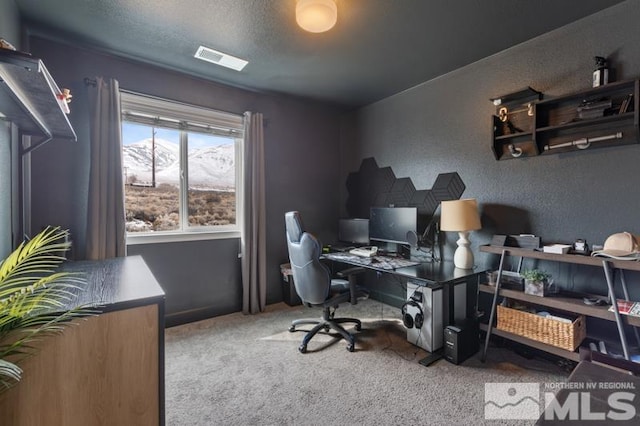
(391, 224)
(353, 231)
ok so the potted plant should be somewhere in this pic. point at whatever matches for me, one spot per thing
(537, 282)
(34, 299)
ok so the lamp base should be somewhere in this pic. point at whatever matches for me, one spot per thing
(463, 256)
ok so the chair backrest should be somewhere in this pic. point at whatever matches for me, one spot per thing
(311, 278)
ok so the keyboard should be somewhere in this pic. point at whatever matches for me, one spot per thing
(368, 251)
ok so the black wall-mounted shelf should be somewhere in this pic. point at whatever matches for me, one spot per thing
(595, 118)
(28, 98)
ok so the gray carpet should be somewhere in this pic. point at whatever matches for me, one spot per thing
(246, 370)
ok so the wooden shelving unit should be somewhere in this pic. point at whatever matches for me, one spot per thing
(577, 259)
(513, 125)
(563, 303)
(560, 302)
(28, 98)
(557, 125)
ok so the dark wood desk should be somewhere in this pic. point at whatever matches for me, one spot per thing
(434, 275)
(459, 301)
(589, 389)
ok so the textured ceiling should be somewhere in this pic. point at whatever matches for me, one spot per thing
(377, 48)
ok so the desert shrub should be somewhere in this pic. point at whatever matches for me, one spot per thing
(159, 207)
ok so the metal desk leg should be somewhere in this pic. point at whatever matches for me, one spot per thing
(623, 281)
(493, 307)
(614, 302)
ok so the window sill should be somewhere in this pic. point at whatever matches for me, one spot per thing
(168, 237)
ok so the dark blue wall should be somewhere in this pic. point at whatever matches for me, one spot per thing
(444, 125)
(440, 126)
(200, 278)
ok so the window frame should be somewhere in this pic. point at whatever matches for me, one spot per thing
(147, 110)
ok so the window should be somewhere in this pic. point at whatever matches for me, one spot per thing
(181, 168)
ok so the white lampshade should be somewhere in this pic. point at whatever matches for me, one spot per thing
(316, 16)
(461, 216)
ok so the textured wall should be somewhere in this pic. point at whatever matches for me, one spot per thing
(301, 142)
(10, 22)
(445, 125)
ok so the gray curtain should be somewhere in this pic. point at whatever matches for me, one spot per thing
(105, 215)
(253, 244)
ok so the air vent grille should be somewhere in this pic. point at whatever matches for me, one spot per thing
(220, 58)
(209, 55)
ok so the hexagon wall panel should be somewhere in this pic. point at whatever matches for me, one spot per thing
(373, 186)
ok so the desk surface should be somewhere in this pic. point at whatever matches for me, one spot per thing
(115, 284)
(431, 272)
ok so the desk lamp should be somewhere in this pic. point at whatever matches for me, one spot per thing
(460, 216)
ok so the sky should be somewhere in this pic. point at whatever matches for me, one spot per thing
(132, 133)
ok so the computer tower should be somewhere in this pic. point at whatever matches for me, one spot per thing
(461, 341)
(423, 317)
(459, 301)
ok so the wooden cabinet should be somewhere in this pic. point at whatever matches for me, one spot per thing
(560, 303)
(595, 118)
(104, 370)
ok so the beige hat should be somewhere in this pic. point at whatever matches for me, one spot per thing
(623, 246)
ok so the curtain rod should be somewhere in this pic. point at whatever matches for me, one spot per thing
(92, 82)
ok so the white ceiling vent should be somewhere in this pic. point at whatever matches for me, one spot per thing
(220, 58)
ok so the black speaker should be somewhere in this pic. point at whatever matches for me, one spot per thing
(461, 341)
(411, 321)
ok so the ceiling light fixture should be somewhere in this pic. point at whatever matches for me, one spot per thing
(316, 16)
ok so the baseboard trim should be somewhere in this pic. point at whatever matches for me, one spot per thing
(193, 315)
(387, 298)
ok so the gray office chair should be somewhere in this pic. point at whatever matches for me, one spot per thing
(314, 285)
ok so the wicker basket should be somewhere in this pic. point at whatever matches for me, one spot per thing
(550, 331)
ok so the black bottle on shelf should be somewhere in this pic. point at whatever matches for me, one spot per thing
(601, 73)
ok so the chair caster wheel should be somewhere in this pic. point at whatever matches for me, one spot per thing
(327, 328)
(358, 327)
(303, 349)
(351, 347)
(292, 328)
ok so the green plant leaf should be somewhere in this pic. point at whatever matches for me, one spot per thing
(535, 275)
(36, 301)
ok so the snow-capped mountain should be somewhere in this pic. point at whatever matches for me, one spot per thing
(209, 168)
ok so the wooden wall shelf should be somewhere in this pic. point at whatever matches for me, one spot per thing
(573, 122)
(28, 97)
